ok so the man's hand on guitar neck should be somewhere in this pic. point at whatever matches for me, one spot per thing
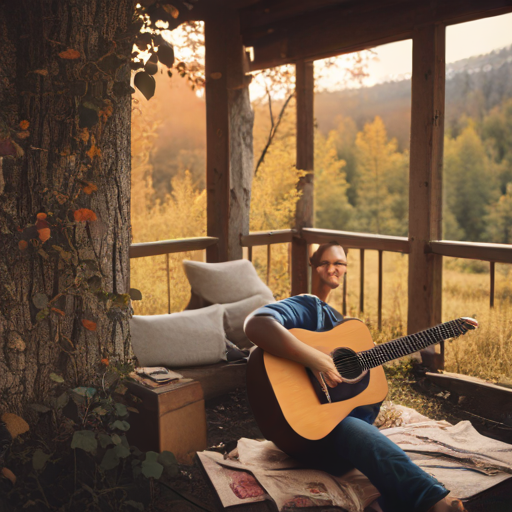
(272, 337)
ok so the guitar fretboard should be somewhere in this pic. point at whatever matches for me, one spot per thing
(411, 343)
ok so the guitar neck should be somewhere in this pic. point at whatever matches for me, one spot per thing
(406, 345)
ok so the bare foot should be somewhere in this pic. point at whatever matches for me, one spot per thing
(448, 504)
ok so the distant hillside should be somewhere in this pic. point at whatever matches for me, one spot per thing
(473, 87)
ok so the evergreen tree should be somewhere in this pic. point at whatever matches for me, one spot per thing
(469, 182)
(499, 219)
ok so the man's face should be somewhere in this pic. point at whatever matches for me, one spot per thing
(333, 266)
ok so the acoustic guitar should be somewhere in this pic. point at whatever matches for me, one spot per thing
(289, 403)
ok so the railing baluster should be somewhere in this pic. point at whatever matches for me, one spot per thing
(168, 284)
(379, 306)
(361, 283)
(249, 253)
(269, 255)
(344, 305)
(493, 269)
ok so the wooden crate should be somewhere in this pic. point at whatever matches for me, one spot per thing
(171, 417)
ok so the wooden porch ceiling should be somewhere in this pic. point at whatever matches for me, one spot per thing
(286, 31)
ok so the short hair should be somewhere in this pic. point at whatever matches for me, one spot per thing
(316, 257)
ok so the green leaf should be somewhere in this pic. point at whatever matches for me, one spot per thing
(42, 314)
(100, 411)
(110, 460)
(135, 504)
(84, 439)
(40, 300)
(145, 83)
(150, 467)
(121, 409)
(116, 439)
(104, 440)
(39, 459)
(135, 294)
(56, 378)
(121, 425)
(40, 408)
(85, 392)
(62, 400)
(168, 460)
(121, 451)
(166, 54)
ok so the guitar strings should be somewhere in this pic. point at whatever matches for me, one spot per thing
(399, 347)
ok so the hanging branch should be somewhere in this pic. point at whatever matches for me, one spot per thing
(273, 127)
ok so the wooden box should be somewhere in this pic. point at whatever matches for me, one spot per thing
(171, 417)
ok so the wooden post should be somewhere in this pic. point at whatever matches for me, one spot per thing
(229, 121)
(425, 184)
(304, 96)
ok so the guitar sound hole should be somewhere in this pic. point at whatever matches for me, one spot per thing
(347, 363)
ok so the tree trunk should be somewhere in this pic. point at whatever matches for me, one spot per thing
(64, 71)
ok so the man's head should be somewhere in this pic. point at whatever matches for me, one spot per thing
(330, 263)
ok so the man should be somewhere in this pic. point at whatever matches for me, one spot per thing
(355, 442)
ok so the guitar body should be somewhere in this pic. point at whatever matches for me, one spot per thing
(285, 404)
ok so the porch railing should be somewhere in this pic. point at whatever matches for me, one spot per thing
(168, 247)
(492, 253)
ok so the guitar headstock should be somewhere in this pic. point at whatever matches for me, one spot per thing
(469, 324)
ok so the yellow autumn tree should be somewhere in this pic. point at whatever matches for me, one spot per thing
(382, 182)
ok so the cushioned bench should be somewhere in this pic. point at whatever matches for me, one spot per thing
(195, 341)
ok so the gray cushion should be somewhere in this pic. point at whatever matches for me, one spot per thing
(227, 282)
(189, 338)
(235, 315)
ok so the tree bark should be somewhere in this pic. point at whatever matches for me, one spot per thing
(78, 106)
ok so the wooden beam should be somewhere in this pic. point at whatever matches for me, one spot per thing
(229, 121)
(217, 136)
(279, 236)
(348, 28)
(348, 239)
(425, 186)
(171, 246)
(304, 87)
(499, 253)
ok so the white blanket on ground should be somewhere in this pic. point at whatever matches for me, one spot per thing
(466, 462)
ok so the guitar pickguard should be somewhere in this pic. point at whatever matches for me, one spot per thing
(341, 392)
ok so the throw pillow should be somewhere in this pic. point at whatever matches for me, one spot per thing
(189, 338)
(235, 315)
(223, 283)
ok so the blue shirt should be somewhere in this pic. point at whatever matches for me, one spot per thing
(310, 313)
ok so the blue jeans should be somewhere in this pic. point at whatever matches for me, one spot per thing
(354, 443)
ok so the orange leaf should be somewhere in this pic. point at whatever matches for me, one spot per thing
(84, 134)
(61, 198)
(105, 361)
(84, 214)
(70, 54)
(23, 135)
(24, 125)
(94, 151)
(44, 234)
(59, 311)
(41, 216)
(89, 187)
(9, 475)
(22, 244)
(89, 325)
